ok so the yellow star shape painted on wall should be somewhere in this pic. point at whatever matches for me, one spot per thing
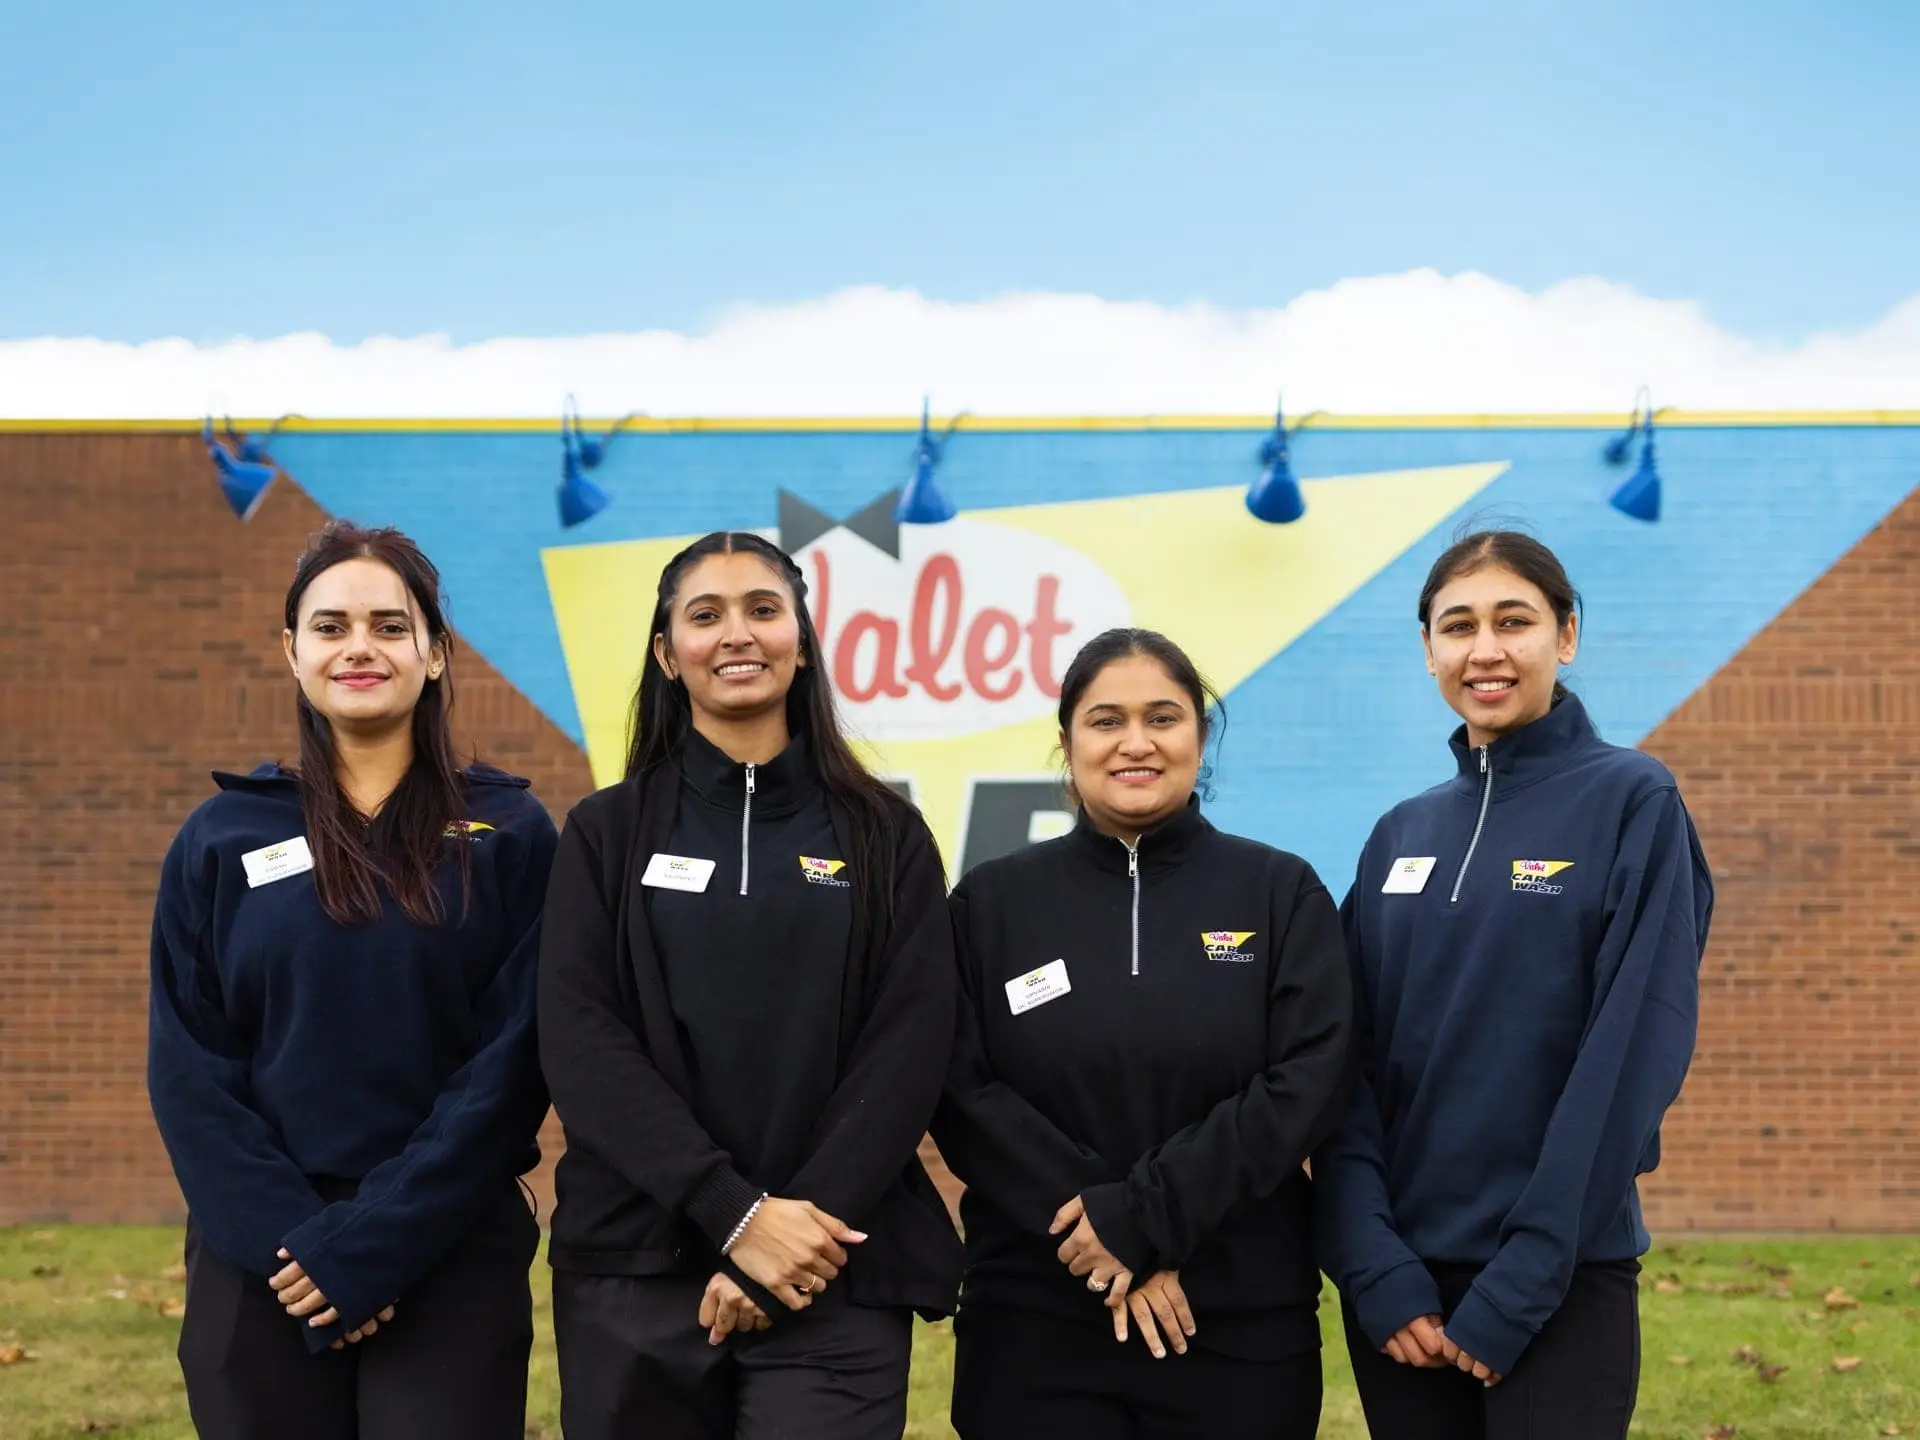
(1192, 563)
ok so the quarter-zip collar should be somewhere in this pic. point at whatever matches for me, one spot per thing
(1529, 754)
(780, 787)
(1160, 848)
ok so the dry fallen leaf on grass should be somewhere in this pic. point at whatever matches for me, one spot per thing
(1747, 1355)
(13, 1354)
(1679, 1359)
(1723, 1432)
(1665, 1286)
(175, 1273)
(1838, 1299)
(1844, 1363)
(1771, 1373)
(95, 1427)
(173, 1309)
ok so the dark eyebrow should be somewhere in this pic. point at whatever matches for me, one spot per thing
(1500, 605)
(376, 614)
(1151, 705)
(720, 599)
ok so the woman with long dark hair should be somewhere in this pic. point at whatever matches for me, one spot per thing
(746, 1006)
(1526, 940)
(342, 1057)
(1152, 1038)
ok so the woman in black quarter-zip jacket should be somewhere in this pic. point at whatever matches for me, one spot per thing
(746, 1008)
(1152, 1038)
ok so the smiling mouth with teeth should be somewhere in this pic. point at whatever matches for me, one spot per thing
(1488, 686)
(744, 667)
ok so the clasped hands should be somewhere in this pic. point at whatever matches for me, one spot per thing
(1156, 1305)
(791, 1248)
(1422, 1343)
(295, 1290)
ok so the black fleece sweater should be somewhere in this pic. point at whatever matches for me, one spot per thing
(780, 1024)
(1177, 1085)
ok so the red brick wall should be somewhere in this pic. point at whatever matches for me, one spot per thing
(139, 645)
(139, 649)
(1801, 763)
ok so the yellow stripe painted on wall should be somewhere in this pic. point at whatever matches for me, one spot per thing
(1012, 424)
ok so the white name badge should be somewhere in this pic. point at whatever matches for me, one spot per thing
(678, 872)
(277, 862)
(1037, 987)
(1408, 875)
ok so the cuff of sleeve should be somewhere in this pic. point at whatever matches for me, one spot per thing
(345, 1292)
(1478, 1327)
(1402, 1294)
(1113, 1222)
(720, 1201)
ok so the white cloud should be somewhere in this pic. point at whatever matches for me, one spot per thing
(1412, 343)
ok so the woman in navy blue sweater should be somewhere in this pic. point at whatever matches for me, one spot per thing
(1526, 941)
(341, 1049)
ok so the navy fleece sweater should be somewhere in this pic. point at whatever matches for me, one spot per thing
(1526, 942)
(286, 1051)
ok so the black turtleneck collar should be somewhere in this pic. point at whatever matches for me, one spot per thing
(1160, 848)
(1530, 753)
(780, 787)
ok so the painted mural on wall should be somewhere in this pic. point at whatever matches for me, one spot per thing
(947, 642)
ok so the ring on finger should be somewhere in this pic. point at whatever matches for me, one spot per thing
(1097, 1285)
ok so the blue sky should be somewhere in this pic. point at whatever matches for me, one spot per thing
(210, 170)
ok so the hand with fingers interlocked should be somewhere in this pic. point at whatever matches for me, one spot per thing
(304, 1300)
(1159, 1310)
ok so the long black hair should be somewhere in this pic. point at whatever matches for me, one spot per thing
(1209, 711)
(663, 714)
(401, 846)
(1513, 550)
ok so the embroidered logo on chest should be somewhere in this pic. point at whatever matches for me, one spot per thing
(1535, 876)
(469, 830)
(1228, 945)
(823, 872)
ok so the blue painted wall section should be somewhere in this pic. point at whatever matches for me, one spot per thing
(1337, 726)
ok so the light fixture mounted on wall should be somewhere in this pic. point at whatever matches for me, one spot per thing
(923, 502)
(1275, 496)
(1638, 495)
(242, 463)
(580, 498)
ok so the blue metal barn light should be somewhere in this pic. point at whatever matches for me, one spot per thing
(580, 498)
(1275, 497)
(1637, 496)
(244, 477)
(922, 502)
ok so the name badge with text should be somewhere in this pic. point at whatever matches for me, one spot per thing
(1037, 987)
(678, 872)
(1408, 875)
(276, 862)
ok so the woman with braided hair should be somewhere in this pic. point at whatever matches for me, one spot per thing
(746, 1007)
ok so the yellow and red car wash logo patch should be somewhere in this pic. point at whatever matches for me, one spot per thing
(1535, 875)
(823, 872)
(1228, 945)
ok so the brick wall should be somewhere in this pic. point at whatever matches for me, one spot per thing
(139, 648)
(1801, 763)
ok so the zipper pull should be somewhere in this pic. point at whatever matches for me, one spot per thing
(1483, 767)
(1133, 862)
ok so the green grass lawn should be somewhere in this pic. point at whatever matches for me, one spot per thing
(89, 1317)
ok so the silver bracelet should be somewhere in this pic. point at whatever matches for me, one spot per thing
(741, 1228)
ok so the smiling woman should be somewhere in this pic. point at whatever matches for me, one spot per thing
(1152, 1032)
(341, 1051)
(746, 1005)
(1527, 941)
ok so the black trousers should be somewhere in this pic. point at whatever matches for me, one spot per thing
(635, 1365)
(1578, 1380)
(1024, 1375)
(450, 1365)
